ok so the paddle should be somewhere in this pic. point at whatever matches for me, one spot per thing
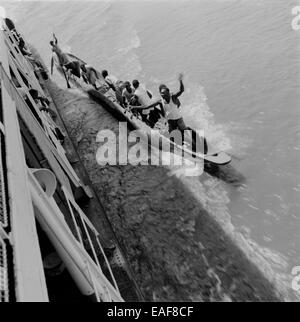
(52, 63)
(68, 85)
(52, 58)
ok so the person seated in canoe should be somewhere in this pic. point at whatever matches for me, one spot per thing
(64, 60)
(171, 107)
(110, 80)
(91, 76)
(114, 84)
(120, 85)
(127, 94)
(150, 114)
(142, 98)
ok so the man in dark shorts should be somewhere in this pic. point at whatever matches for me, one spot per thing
(170, 105)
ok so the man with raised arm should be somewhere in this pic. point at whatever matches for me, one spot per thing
(171, 108)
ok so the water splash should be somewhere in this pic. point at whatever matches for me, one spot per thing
(198, 114)
(131, 42)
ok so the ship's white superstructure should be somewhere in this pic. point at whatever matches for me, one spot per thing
(37, 195)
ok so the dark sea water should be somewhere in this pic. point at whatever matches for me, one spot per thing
(241, 65)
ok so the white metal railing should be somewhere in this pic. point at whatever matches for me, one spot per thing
(4, 289)
(45, 121)
(22, 63)
(49, 128)
(84, 228)
(84, 256)
(19, 57)
(56, 159)
(23, 268)
(73, 249)
(3, 196)
(2, 128)
(98, 299)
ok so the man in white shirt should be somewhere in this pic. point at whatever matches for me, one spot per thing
(150, 115)
(143, 97)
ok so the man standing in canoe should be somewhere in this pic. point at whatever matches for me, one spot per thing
(171, 107)
(64, 61)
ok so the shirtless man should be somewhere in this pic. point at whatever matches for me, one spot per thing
(91, 75)
(64, 60)
(127, 94)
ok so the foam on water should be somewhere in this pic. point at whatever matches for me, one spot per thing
(131, 42)
(197, 112)
(126, 57)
